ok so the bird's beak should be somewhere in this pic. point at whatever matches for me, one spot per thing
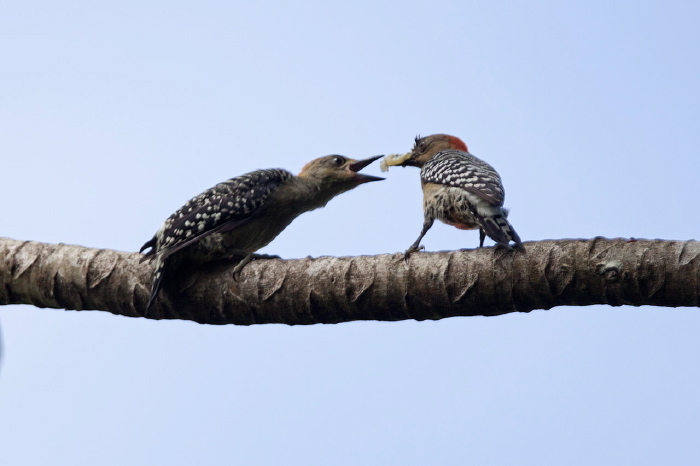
(358, 165)
(410, 161)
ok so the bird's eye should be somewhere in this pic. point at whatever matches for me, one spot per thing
(338, 161)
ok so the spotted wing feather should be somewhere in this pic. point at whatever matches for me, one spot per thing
(218, 209)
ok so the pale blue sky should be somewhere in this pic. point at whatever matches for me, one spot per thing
(113, 114)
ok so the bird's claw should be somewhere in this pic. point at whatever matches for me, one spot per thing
(237, 271)
(239, 267)
(410, 251)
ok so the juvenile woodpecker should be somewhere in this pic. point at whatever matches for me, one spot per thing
(458, 189)
(239, 216)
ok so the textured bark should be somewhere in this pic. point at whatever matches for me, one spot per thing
(484, 281)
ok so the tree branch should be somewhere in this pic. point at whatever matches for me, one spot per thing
(484, 281)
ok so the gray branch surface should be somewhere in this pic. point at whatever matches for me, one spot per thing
(436, 285)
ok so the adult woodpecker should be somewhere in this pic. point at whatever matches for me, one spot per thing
(239, 216)
(458, 189)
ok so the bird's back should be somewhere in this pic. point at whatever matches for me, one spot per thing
(462, 170)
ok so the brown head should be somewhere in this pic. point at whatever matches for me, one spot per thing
(424, 148)
(336, 173)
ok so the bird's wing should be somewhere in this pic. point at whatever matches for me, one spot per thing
(223, 208)
(463, 170)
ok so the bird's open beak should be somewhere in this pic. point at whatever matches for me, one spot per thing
(356, 166)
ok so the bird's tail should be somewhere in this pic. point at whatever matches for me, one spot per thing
(499, 229)
(157, 280)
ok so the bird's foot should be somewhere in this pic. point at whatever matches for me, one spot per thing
(240, 265)
(411, 250)
(249, 257)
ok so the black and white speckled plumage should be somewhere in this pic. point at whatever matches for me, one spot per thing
(222, 207)
(471, 195)
(463, 170)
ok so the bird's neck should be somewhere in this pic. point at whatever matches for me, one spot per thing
(308, 193)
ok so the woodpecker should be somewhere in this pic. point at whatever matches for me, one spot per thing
(239, 216)
(458, 189)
